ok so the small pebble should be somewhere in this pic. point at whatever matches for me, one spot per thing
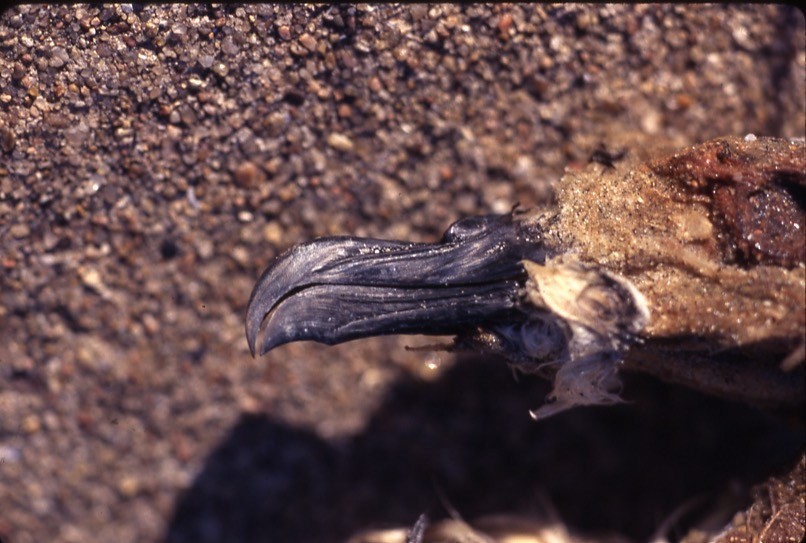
(340, 142)
(247, 175)
(273, 233)
(504, 25)
(241, 255)
(205, 61)
(308, 42)
(129, 486)
(229, 47)
(19, 231)
(31, 424)
(89, 276)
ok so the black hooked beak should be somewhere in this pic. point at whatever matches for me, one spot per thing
(336, 289)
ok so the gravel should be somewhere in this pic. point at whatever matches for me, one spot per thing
(154, 159)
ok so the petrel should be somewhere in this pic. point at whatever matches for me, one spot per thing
(687, 266)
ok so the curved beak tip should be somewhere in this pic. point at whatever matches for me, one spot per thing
(254, 320)
(251, 336)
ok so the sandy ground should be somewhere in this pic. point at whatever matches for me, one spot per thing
(153, 160)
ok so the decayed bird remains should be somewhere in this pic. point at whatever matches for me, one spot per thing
(689, 267)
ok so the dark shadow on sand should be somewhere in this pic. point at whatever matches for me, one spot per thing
(468, 436)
